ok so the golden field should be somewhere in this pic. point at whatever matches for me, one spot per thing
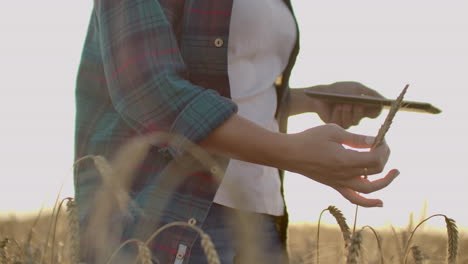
(24, 241)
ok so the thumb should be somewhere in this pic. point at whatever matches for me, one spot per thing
(356, 140)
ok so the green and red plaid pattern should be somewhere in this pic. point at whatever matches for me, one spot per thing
(154, 66)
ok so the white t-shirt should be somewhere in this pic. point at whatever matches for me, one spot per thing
(261, 39)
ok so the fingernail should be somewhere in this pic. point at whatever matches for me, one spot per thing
(379, 205)
(369, 140)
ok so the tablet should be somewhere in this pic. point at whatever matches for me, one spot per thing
(410, 106)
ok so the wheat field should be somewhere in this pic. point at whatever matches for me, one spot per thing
(24, 241)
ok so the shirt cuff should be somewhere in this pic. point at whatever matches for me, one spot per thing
(199, 118)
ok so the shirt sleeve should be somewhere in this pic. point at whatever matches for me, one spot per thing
(144, 71)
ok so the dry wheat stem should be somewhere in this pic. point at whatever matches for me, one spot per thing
(136, 241)
(54, 230)
(117, 175)
(379, 241)
(452, 233)
(318, 236)
(207, 244)
(50, 228)
(36, 220)
(398, 243)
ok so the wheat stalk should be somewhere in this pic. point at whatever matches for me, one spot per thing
(354, 248)
(396, 105)
(417, 255)
(379, 241)
(51, 225)
(54, 230)
(398, 244)
(206, 242)
(452, 233)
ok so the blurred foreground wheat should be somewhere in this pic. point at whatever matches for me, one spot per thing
(428, 246)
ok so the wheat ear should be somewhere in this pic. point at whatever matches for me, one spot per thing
(389, 119)
(396, 105)
(209, 249)
(144, 253)
(74, 227)
(452, 233)
(207, 244)
(417, 255)
(354, 248)
(4, 257)
(341, 220)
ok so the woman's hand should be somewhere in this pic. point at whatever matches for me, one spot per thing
(344, 115)
(318, 154)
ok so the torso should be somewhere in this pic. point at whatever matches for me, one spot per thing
(262, 36)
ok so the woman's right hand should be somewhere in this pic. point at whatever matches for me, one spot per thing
(318, 154)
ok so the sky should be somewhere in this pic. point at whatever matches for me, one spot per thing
(383, 44)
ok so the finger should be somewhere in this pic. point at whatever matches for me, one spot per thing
(374, 161)
(373, 112)
(336, 115)
(324, 110)
(355, 198)
(364, 185)
(358, 114)
(347, 115)
(353, 140)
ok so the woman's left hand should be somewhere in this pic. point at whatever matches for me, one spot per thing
(344, 115)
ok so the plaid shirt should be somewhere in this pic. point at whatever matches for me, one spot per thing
(157, 66)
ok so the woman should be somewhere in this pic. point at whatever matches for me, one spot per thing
(206, 70)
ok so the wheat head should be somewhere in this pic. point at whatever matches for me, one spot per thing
(417, 255)
(74, 231)
(354, 248)
(144, 253)
(452, 233)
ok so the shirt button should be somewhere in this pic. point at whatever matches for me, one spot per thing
(219, 42)
(179, 256)
(192, 221)
(214, 170)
